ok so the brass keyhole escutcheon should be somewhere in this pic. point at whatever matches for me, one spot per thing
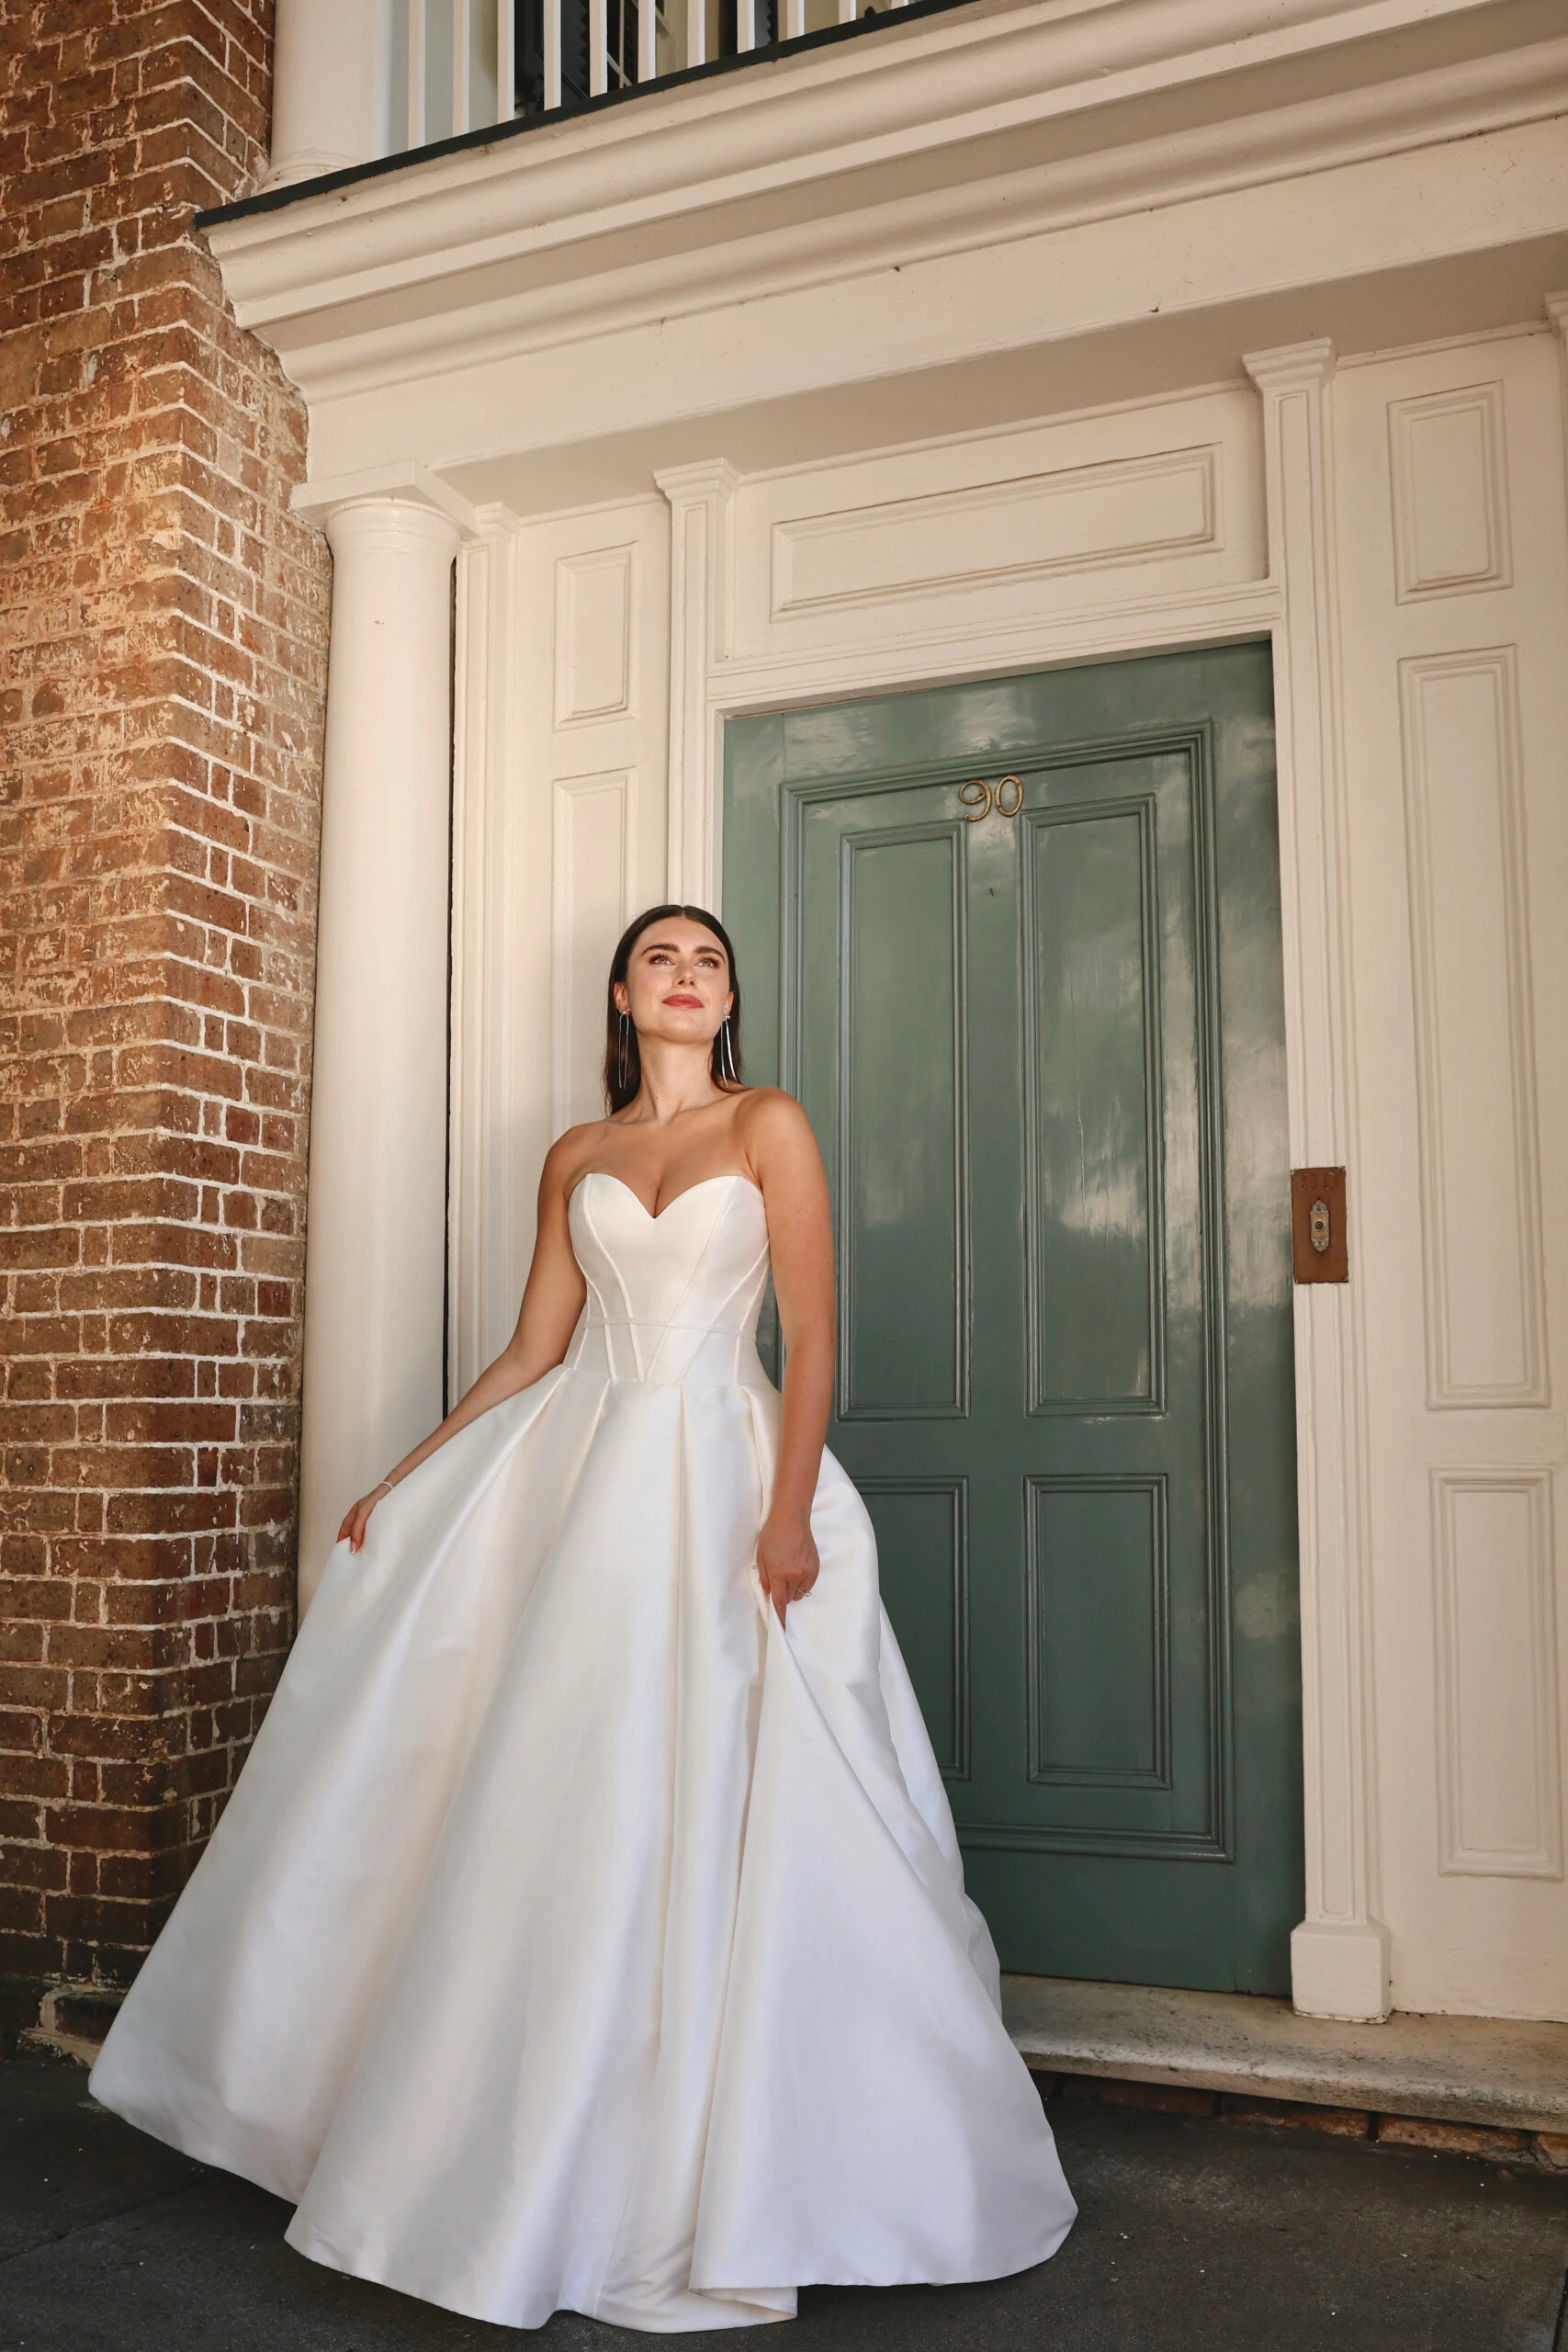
(1318, 1226)
(978, 798)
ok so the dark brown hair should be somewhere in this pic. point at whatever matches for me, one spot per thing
(623, 1062)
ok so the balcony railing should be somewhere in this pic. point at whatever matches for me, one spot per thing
(464, 65)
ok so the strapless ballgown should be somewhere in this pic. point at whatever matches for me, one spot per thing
(575, 1935)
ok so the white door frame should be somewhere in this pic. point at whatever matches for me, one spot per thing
(1340, 1953)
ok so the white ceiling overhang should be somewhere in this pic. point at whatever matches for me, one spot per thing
(993, 180)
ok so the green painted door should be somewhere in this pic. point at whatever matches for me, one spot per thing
(1016, 948)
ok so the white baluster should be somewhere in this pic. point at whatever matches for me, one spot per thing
(505, 61)
(552, 53)
(462, 77)
(848, 11)
(598, 45)
(745, 25)
(794, 19)
(647, 40)
(696, 32)
(416, 73)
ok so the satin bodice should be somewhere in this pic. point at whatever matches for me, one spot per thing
(672, 1299)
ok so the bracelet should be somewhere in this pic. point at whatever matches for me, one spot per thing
(388, 1483)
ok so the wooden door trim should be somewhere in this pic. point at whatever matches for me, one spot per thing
(1340, 1951)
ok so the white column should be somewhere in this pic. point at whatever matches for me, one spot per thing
(331, 87)
(376, 1235)
(1339, 1954)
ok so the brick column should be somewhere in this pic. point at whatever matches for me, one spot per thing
(163, 625)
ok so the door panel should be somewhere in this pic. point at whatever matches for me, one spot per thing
(1043, 1113)
(899, 1128)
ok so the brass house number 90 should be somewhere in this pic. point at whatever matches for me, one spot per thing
(980, 797)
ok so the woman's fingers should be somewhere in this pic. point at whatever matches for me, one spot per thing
(356, 1522)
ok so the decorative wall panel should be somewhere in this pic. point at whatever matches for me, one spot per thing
(1447, 456)
(1475, 1056)
(595, 636)
(1498, 1753)
(1136, 510)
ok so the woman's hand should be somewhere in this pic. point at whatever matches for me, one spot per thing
(356, 1518)
(786, 1560)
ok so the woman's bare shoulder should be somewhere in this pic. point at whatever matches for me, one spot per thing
(571, 1155)
(770, 1120)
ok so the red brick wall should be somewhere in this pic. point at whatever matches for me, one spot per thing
(163, 628)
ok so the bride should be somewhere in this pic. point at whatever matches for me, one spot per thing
(587, 1928)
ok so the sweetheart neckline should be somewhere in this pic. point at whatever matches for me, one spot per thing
(725, 1176)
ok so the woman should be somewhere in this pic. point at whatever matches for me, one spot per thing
(587, 1928)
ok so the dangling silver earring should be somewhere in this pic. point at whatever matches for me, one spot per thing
(621, 1054)
(727, 1055)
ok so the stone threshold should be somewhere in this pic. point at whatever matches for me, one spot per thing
(1478, 2086)
(1488, 2087)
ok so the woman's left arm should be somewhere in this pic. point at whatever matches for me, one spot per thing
(788, 1166)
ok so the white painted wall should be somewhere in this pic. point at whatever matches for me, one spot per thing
(1454, 608)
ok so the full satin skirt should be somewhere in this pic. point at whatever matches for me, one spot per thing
(577, 1936)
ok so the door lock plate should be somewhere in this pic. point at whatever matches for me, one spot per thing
(1318, 1226)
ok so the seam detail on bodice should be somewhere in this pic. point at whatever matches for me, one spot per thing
(698, 1263)
(610, 1259)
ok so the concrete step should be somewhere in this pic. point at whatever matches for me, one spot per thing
(1505, 2073)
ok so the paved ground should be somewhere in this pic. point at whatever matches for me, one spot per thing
(1193, 2236)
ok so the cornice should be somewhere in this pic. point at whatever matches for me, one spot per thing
(989, 122)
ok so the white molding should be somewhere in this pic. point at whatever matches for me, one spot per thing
(482, 1060)
(702, 608)
(945, 656)
(619, 783)
(1556, 308)
(1339, 1954)
(1514, 1052)
(1533, 1681)
(838, 529)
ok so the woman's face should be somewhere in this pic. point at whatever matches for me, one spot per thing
(677, 983)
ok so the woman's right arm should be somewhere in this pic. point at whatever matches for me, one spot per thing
(552, 1301)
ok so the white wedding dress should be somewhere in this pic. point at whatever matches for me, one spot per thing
(575, 1935)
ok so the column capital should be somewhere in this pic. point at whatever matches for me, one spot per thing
(705, 478)
(391, 524)
(404, 482)
(1292, 367)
